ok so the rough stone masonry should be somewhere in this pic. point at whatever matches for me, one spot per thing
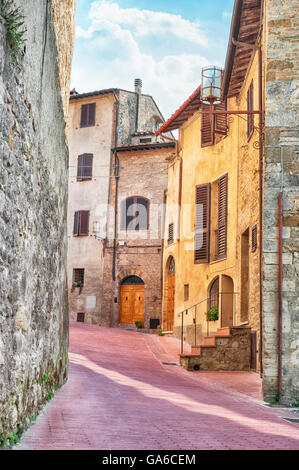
(282, 175)
(33, 206)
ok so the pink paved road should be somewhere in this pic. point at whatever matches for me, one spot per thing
(120, 396)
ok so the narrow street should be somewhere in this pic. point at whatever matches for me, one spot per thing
(120, 396)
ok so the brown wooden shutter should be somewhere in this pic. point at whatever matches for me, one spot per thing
(250, 106)
(202, 224)
(84, 223)
(88, 115)
(254, 239)
(80, 169)
(92, 114)
(207, 126)
(221, 119)
(84, 115)
(87, 164)
(76, 224)
(222, 218)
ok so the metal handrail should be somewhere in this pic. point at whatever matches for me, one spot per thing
(186, 310)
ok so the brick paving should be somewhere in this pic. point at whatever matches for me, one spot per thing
(120, 396)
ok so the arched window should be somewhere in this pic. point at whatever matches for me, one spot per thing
(171, 266)
(214, 294)
(135, 213)
(132, 280)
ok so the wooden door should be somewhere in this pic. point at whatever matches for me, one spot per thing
(132, 304)
(171, 294)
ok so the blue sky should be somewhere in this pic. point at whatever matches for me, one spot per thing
(165, 43)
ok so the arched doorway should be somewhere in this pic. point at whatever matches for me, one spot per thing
(132, 300)
(227, 301)
(170, 294)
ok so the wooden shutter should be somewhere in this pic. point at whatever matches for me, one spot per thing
(88, 115)
(92, 114)
(84, 115)
(207, 126)
(250, 105)
(84, 223)
(222, 218)
(76, 224)
(254, 239)
(86, 166)
(202, 224)
(221, 119)
(80, 171)
(143, 214)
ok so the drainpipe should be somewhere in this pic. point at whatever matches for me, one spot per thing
(279, 339)
(116, 176)
(261, 198)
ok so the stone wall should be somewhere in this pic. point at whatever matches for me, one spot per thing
(33, 205)
(282, 175)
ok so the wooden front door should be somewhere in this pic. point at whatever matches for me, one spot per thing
(132, 304)
(170, 304)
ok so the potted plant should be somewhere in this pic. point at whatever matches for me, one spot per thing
(138, 324)
(212, 314)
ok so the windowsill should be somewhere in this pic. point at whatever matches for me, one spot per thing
(218, 260)
(244, 323)
(83, 180)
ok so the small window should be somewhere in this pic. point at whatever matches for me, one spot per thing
(254, 239)
(81, 223)
(170, 233)
(135, 214)
(88, 115)
(186, 292)
(78, 277)
(250, 106)
(146, 140)
(84, 171)
(80, 317)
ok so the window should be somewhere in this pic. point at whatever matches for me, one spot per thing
(186, 292)
(250, 106)
(211, 221)
(145, 140)
(80, 317)
(78, 277)
(170, 233)
(88, 115)
(212, 124)
(81, 223)
(222, 218)
(254, 239)
(84, 171)
(202, 224)
(135, 214)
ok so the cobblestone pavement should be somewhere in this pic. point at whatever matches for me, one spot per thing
(120, 396)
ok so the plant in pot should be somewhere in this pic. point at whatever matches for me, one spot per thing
(212, 314)
(139, 324)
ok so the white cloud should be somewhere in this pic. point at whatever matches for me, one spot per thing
(109, 54)
(145, 22)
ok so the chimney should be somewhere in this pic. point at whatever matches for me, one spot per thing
(138, 86)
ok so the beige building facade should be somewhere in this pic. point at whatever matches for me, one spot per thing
(230, 266)
(118, 175)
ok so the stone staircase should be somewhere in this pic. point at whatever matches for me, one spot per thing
(228, 350)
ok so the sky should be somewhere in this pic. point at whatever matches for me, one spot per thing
(164, 42)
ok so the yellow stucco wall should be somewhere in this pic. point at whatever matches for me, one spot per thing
(238, 157)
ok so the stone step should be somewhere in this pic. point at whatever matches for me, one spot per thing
(224, 331)
(209, 341)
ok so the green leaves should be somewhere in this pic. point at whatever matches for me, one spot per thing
(15, 29)
(212, 314)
